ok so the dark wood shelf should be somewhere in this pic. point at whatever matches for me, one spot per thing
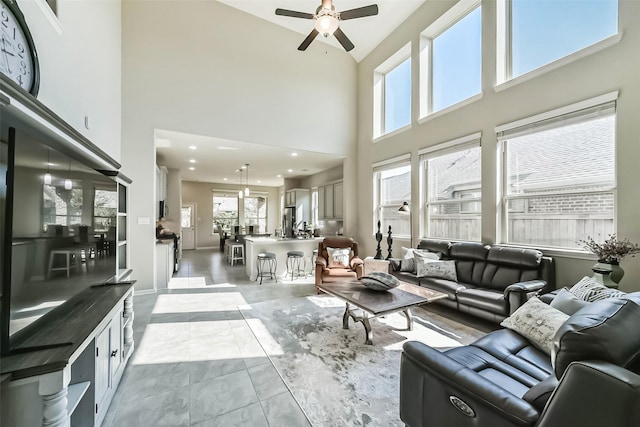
(72, 323)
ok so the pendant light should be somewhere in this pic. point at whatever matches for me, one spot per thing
(68, 185)
(47, 176)
(246, 189)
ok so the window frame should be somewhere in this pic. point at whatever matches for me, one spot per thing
(255, 195)
(383, 166)
(504, 49)
(379, 91)
(213, 216)
(528, 126)
(449, 19)
(445, 148)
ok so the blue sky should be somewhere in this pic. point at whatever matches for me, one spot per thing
(543, 31)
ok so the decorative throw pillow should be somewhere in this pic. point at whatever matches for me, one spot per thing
(379, 281)
(536, 321)
(567, 302)
(588, 289)
(408, 265)
(406, 252)
(437, 269)
(339, 257)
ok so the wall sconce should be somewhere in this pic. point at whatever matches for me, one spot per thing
(405, 209)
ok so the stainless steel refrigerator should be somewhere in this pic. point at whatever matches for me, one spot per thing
(289, 225)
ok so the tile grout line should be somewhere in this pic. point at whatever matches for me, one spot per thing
(277, 371)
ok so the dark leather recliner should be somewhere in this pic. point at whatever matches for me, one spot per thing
(503, 380)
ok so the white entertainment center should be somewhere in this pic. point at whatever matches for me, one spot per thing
(65, 372)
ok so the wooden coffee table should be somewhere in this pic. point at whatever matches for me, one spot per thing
(379, 303)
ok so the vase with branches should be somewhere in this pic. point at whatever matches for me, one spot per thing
(610, 252)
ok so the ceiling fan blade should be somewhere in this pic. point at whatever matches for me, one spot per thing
(359, 12)
(311, 37)
(343, 39)
(294, 14)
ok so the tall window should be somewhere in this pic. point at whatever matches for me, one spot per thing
(392, 93)
(255, 212)
(225, 211)
(451, 58)
(392, 186)
(537, 32)
(453, 190)
(559, 179)
(105, 208)
(61, 206)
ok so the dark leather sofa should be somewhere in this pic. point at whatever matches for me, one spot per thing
(501, 380)
(493, 281)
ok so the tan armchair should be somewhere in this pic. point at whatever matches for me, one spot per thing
(330, 272)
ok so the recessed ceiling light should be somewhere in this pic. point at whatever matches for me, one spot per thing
(192, 160)
(279, 176)
(290, 170)
(294, 154)
(193, 147)
(224, 179)
(226, 148)
(191, 168)
(259, 182)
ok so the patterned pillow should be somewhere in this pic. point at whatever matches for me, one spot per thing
(421, 253)
(437, 269)
(536, 321)
(588, 289)
(339, 257)
(379, 281)
(408, 265)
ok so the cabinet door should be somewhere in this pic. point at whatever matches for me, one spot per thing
(115, 349)
(328, 202)
(337, 201)
(102, 367)
(321, 204)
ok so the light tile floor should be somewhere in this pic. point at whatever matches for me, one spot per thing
(196, 362)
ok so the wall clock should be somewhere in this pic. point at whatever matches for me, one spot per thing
(18, 59)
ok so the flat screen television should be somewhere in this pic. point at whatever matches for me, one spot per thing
(59, 218)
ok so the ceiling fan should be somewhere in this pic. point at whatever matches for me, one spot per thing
(328, 21)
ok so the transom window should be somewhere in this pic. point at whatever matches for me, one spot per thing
(451, 58)
(453, 189)
(533, 33)
(559, 179)
(392, 186)
(392, 93)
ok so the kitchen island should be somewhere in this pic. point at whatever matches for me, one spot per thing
(280, 247)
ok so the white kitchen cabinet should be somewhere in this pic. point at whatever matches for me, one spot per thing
(337, 201)
(300, 199)
(164, 263)
(330, 204)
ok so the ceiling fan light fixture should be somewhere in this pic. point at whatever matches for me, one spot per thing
(326, 23)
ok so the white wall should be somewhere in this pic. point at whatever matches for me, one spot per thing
(614, 68)
(208, 69)
(80, 67)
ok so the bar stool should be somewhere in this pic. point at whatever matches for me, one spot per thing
(294, 259)
(236, 252)
(70, 258)
(266, 259)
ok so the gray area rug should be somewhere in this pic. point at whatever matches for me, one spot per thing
(336, 378)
